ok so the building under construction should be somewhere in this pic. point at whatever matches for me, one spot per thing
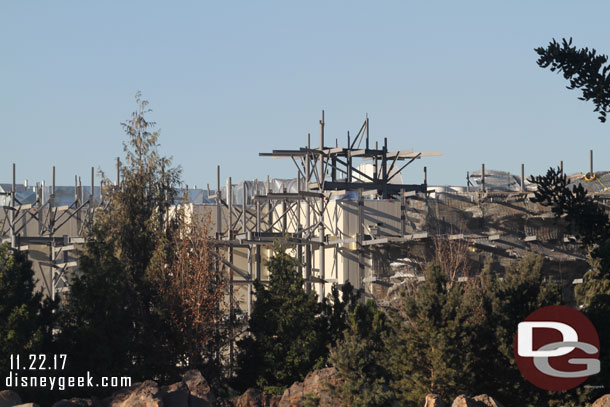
(345, 213)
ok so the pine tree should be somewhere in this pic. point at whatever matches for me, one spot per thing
(114, 318)
(429, 350)
(357, 358)
(506, 303)
(26, 320)
(590, 222)
(584, 68)
(286, 335)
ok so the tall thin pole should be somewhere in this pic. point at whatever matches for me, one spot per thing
(367, 131)
(322, 175)
(591, 163)
(308, 218)
(12, 211)
(231, 308)
(218, 206)
(322, 231)
(118, 171)
(522, 177)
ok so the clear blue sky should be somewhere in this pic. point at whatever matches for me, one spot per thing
(227, 80)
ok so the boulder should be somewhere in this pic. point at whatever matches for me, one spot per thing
(482, 400)
(9, 398)
(603, 401)
(256, 398)
(175, 395)
(200, 393)
(464, 401)
(145, 394)
(313, 385)
(487, 401)
(434, 400)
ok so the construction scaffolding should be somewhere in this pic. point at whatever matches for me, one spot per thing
(51, 223)
(346, 216)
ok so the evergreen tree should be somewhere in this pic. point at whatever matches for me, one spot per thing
(26, 320)
(431, 349)
(584, 68)
(114, 316)
(357, 358)
(286, 334)
(505, 303)
(458, 338)
(590, 222)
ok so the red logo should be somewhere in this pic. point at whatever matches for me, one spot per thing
(557, 348)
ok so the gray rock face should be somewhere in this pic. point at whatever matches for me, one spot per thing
(256, 398)
(145, 394)
(9, 398)
(487, 401)
(200, 393)
(482, 400)
(192, 391)
(312, 385)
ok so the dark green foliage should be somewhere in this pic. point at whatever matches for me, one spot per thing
(289, 330)
(592, 225)
(358, 359)
(98, 328)
(114, 318)
(26, 321)
(584, 68)
(286, 336)
(458, 338)
(431, 347)
(337, 308)
(504, 304)
(587, 219)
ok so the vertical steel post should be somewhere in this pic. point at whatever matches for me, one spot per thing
(118, 171)
(384, 170)
(321, 225)
(522, 177)
(231, 306)
(322, 171)
(426, 178)
(367, 131)
(403, 215)
(218, 205)
(92, 187)
(308, 218)
(360, 237)
(591, 163)
(244, 226)
(52, 197)
(483, 177)
(12, 210)
(258, 246)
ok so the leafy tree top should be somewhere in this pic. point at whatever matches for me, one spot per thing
(584, 68)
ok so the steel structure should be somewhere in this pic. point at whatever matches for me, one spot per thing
(306, 218)
(47, 227)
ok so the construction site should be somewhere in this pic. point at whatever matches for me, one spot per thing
(347, 214)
